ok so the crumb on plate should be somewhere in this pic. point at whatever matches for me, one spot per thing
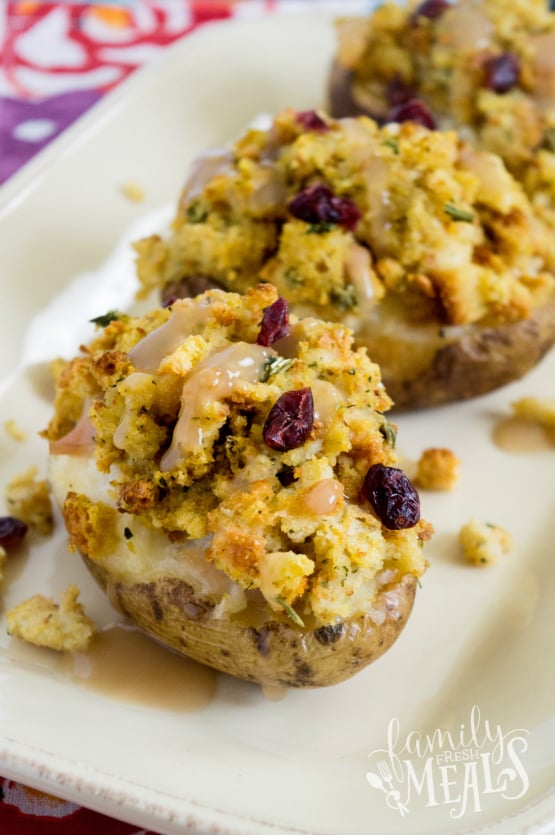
(64, 627)
(484, 543)
(438, 469)
(133, 191)
(28, 499)
(540, 410)
(14, 431)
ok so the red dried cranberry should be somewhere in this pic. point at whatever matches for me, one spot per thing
(392, 496)
(290, 420)
(318, 204)
(12, 531)
(413, 110)
(169, 301)
(398, 92)
(310, 120)
(501, 73)
(432, 9)
(275, 323)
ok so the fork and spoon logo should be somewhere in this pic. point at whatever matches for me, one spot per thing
(453, 768)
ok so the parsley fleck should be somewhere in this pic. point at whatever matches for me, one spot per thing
(290, 611)
(196, 213)
(128, 533)
(389, 433)
(344, 298)
(274, 365)
(457, 214)
(393, 144)
(104, 320)
(320, 228)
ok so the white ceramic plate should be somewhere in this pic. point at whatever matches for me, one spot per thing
(481, 639)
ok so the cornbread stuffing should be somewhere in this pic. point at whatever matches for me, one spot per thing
(28, 499)
(349, 220)
(438, 469)
(64, 627)
(540, 410)
(483, 543)
(181, 418)
(484, 67)
(14, 431)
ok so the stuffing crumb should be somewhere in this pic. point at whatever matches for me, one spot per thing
(3, 558)
(133, 192)
(537, 410)
(56, 368)
(484, 543)
(438, 469)
(14, 431)
(64, 627)
(28, 499)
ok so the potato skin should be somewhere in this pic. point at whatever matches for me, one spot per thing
(276, 653)
(479, 361)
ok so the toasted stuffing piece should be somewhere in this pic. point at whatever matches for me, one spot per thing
(28, 499)
(456, 241)
(482, 66)
(14, 431)
(133, 191)
(484, 543)
(3, 558)
(64, 627)
(540, 410)
(221, 443)
(438, 469)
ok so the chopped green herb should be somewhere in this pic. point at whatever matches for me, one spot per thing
(104, 320)
(292, 277)
(128, 533)
(393, 144)
(344, 298)
(419, 583)
(549, 139)
(441, 333)
(352, 371)
(457, 214)
(290, 611)
(274, 365)
(320, 228)
(388, 431)
(196, 213)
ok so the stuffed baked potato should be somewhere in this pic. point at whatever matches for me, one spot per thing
(426, 248)
(228, 475)
(486, 69)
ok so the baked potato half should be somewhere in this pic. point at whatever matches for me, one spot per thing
(228, 474)
(426, 248)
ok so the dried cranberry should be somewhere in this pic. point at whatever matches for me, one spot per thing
(413, 110)
(290, 420)
(169, 301)
(12, 531)
(310, 120)
(392, 496)
(398, 92)
(318, 204)
(275, 323)
(501, 73)
(432, 9)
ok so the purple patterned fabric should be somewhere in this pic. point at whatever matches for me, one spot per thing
(55, 114)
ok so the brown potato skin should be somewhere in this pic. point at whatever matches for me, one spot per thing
(276, 653)
(483, 359)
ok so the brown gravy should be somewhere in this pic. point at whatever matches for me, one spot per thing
(124, 664)
(514, 434)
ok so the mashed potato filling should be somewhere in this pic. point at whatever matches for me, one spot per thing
(181, 482)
